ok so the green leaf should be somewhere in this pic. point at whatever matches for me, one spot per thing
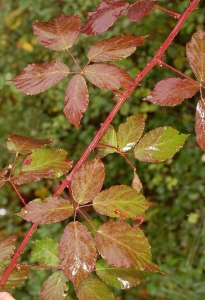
(108, 138)
(87, 181)
(124, 246)
(45, 251)
(17, 277)
(159, 144)
(46, 159)
(94, 289)
(54, 287)
(21, 144)
(130, 132)
(7, 246)
(120, 201)
(120, 278)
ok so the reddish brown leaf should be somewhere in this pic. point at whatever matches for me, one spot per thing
(123, 246)
(172, 91)
(77, 251)
(200, 124)
(38, 78)
(7, 246)
(17, 277)
(3, 172)
(29, 176)
(76, 100)
(87, 181)
(115, 48)
(108, 77)
(195, 51)
(104, 16)
(21, 144)
(59, 33)
(52, 209)
(139, 10)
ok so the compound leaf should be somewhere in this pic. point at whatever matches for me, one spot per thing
(130, 132)
(76, 100)
(7, 246)
(195, 51)
(77, 252)
(172, 91)
(108, 138)
(108, 77)
(38, 78)
(124, 246)
(52, 209)
(115, 48)
(104, 16)
(59, 33)
(139, 9)
(87, 181)
(21, 144)
(200, 124)
(159, 144)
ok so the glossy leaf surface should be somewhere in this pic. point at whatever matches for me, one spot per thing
(76, 100)
(108, 77)
(7, 246)
(54, 287)
(120, 278)
(52, 209)
(21, 144)
(120, 201)
(25, 177)
(172, 91)
(124, 246)
(59, 33)
(46, 159)
(38, 78)
(77, 252)
(104, 16)
(45, 251)
(130, 132)
(87, 181)
(195, 51)
(200, 124)
(108, 138)
(17, 277)
(140, 9)
(159, 144)
(94, 289)
(115, 48)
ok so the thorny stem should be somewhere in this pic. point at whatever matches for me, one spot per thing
(104, 127)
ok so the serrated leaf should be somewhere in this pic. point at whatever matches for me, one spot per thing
(59, 33)
(45, 159)
(120, 201)
(108, 77)
(17, 277)
(200, 124)
(52, 209)
(77, 252)
(172, 91)
(87, 181)
(130, 132)
(29, 176)
(120, 278)
(21, 144)
(115, 48)
(38, 78)
(94, 289)
(123, 246)
(159, 144)
(108, 138)
(7, 246)
(140, 9)
(76, 100)
(45, 251)
(54, 287)
(195, 51)
(103, 16)
(3, 173)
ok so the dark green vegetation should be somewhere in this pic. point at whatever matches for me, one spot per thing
(175, 224)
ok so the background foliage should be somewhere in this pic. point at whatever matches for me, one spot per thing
(175, 225)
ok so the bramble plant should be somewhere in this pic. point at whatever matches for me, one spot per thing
(113, 251)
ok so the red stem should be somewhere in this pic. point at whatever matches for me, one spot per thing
(105, 125)
(17, 192)
(171, 13)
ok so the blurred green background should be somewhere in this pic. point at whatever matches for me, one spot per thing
(175, 224)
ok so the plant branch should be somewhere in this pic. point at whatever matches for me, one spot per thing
(171, 13)
(17, 192)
